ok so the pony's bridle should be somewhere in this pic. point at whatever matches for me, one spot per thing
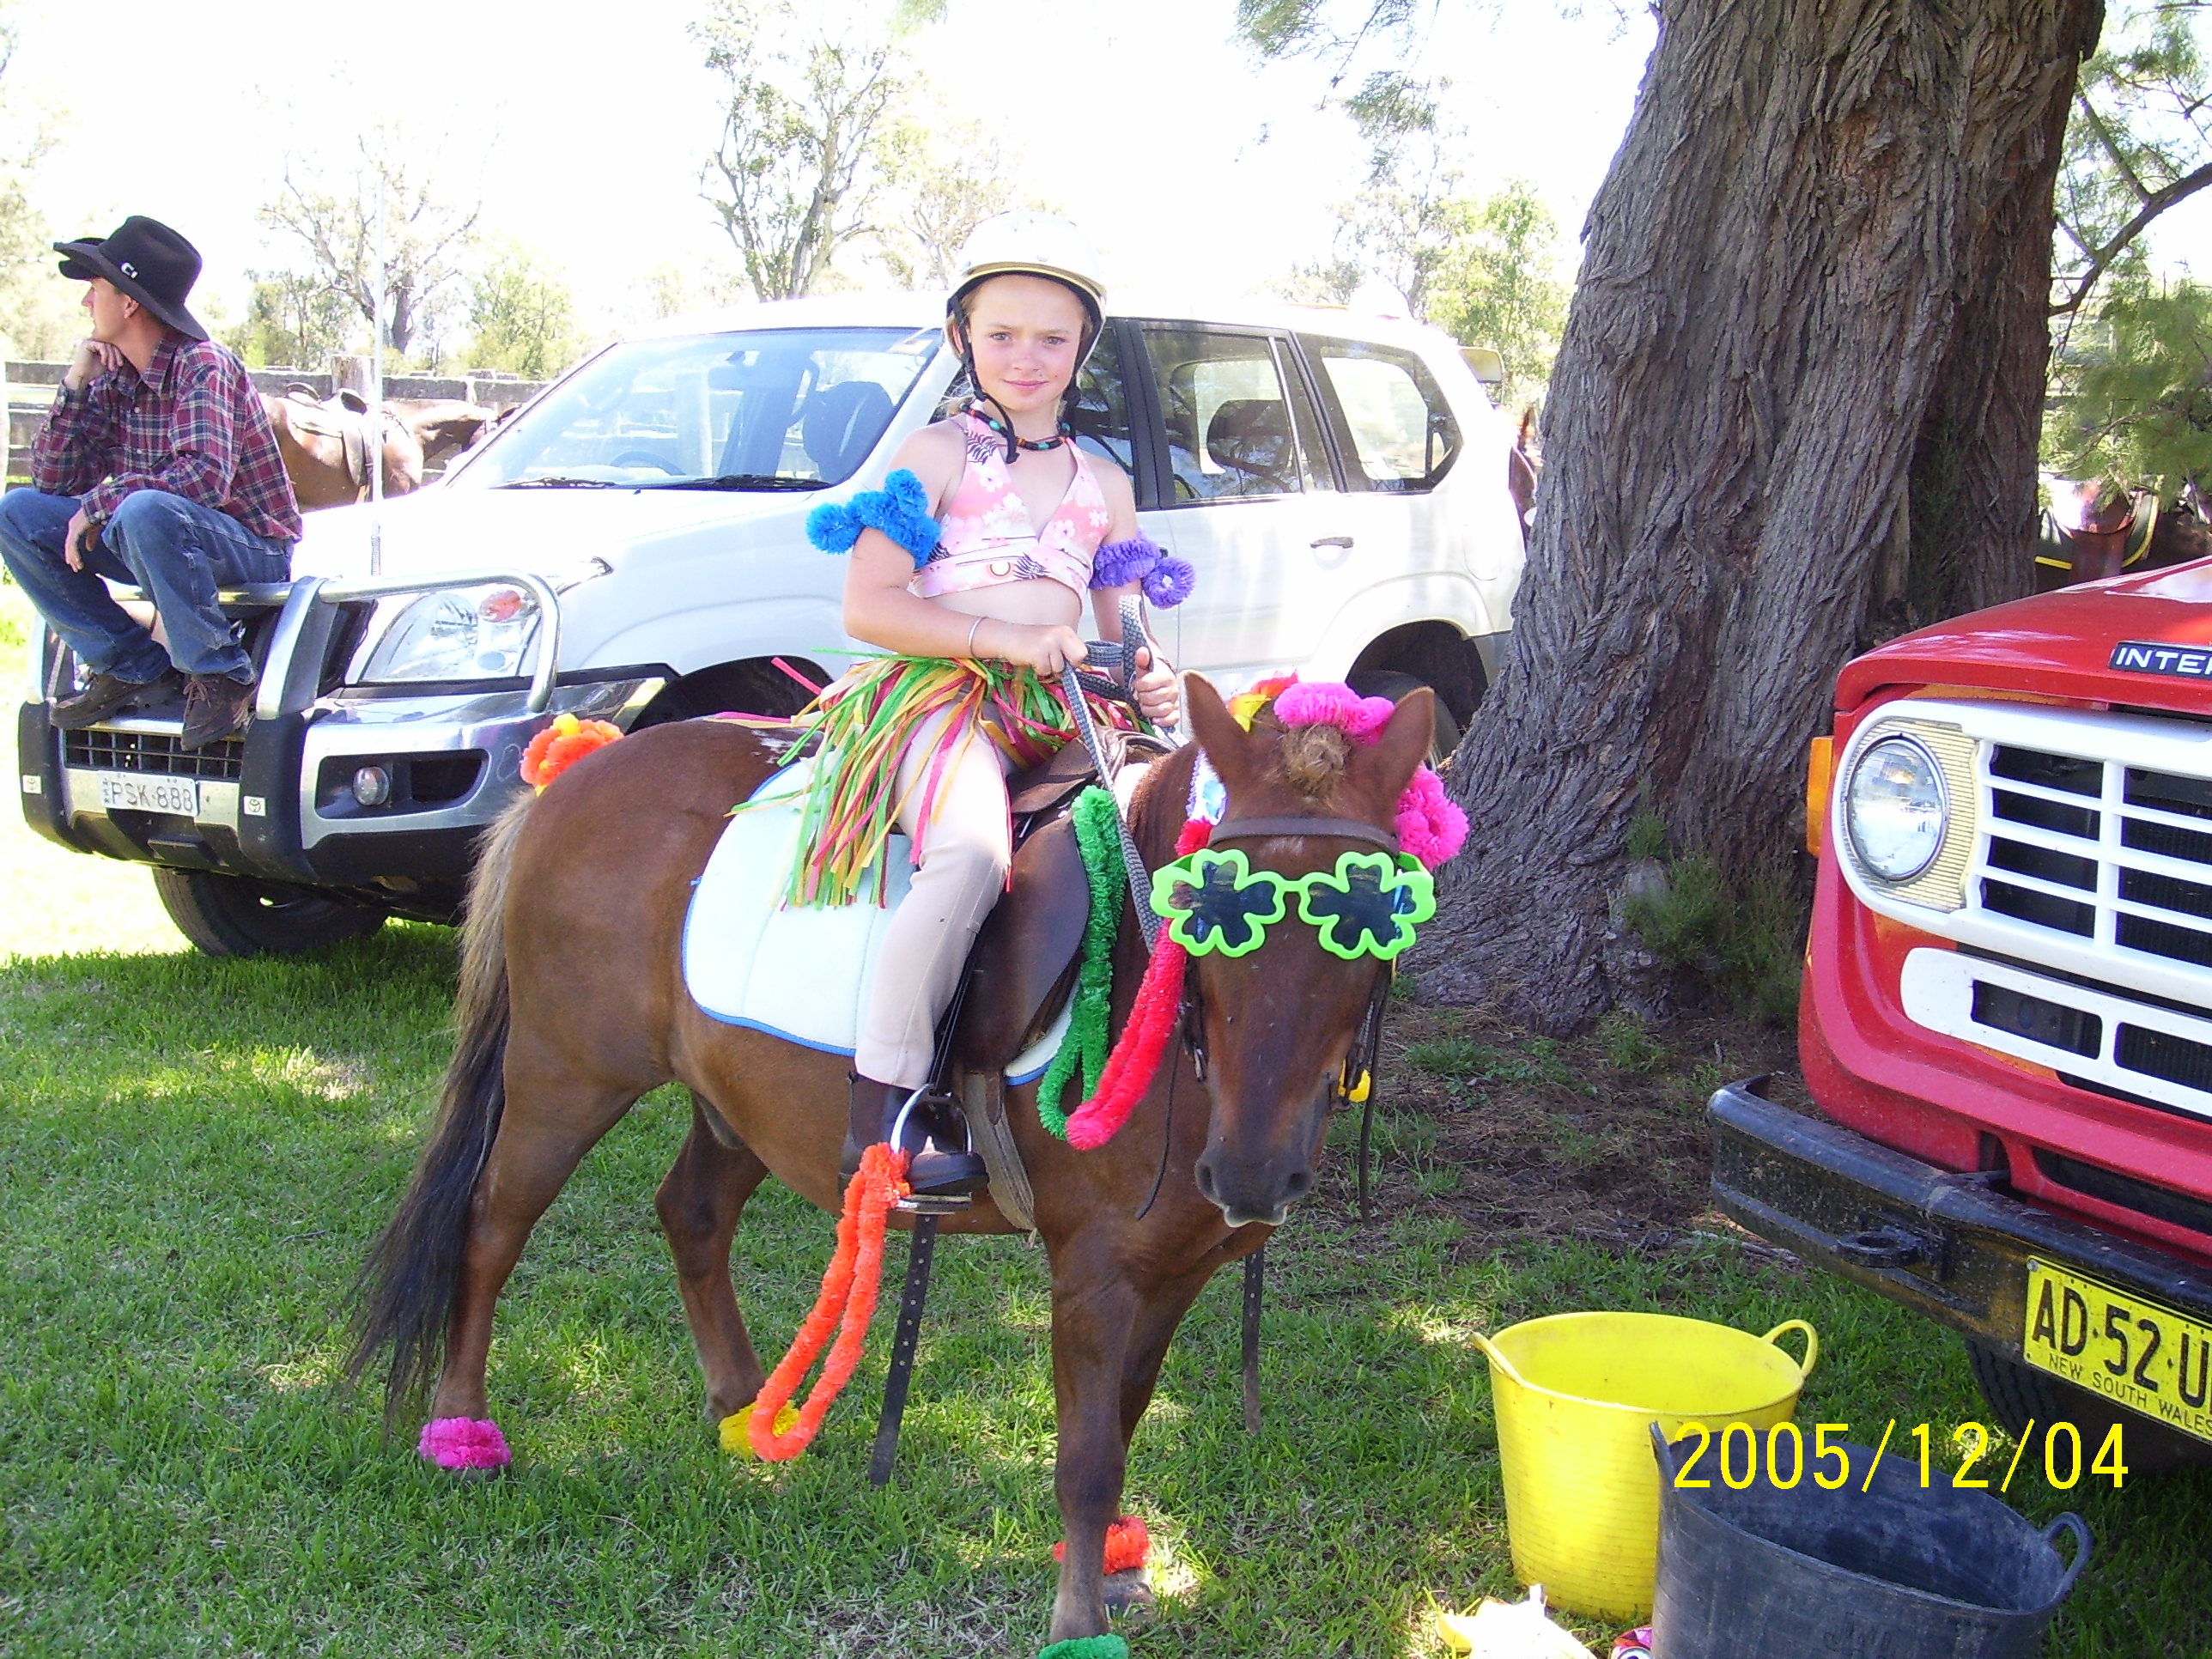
(1356, 1080)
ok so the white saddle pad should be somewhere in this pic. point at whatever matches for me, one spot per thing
(803, 973)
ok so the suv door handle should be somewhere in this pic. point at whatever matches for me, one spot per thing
(1331, 541)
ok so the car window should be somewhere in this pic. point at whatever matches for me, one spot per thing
(794, 406)
(1100, 415)
(1227, 416)
(1388, 409)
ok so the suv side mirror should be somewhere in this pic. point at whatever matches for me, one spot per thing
(1489, 365)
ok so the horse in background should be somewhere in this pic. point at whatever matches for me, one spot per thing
(327, 448)
(2095, 529)
(1521, 468)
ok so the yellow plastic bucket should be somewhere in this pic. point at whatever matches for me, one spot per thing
(1575, 1394)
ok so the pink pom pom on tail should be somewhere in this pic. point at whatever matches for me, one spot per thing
(463, 1442)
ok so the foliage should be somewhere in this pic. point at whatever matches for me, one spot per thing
(1483, 270)
(943, 177)
(800, 160)
(2131, 389)
(1746, 944)
(37, 314)
(1497, 285)
(521, 316)
(293, 321)
(2139, 143)
(328, 215)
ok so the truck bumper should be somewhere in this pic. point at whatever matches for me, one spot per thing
(1952, 1247)
(281, 806)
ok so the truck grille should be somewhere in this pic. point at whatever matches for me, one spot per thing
(2079, 902)
(2115, 853)
(158, 752)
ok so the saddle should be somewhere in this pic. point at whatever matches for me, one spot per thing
(344, 416)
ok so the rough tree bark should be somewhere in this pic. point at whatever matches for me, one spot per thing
(1794, 410)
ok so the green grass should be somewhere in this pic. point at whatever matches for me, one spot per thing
(193, 1154)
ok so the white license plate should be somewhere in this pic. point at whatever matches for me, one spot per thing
(133, 793)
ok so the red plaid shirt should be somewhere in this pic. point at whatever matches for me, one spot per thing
(192, 424)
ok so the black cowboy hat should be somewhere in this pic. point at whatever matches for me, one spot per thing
(145, 259)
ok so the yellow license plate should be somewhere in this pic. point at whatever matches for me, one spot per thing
(2139, 1352)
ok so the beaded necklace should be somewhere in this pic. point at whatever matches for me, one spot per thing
(999, 427)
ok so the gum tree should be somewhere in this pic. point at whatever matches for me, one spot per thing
(1796, 407)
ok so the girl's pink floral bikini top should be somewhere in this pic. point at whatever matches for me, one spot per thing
(987, 537)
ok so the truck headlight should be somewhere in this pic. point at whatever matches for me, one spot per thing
(1896, 809)
(478, 633)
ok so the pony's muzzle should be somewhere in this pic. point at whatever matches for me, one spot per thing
(1245, 1197)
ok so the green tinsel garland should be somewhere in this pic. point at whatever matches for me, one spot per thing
(1098, 837)
(1088, 1647)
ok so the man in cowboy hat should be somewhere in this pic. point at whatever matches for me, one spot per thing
(156, 467)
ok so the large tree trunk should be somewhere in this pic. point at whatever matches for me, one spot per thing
(1794, 410)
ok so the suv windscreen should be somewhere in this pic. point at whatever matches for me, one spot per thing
(788, 408)
(1389, 411)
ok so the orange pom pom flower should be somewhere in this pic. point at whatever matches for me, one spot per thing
(562, 744)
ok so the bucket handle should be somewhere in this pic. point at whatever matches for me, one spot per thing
(1812, 1345)
(2069, 1523)
(1497, 1358)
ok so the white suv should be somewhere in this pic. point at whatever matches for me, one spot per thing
(630, 546)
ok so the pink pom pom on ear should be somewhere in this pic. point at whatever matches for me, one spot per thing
(1430, 825)
(463, 1442)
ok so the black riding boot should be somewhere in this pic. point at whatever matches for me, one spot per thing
(939, 1163)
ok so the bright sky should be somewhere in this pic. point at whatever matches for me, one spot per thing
(583, 130)
(1184, 161)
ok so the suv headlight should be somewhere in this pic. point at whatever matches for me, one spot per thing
(479, 633)
(1896, 808)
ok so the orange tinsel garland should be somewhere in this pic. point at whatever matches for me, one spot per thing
(848, 1301)
(562, 744)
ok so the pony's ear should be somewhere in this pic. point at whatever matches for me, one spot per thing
(1404, 742)
(1218, 734)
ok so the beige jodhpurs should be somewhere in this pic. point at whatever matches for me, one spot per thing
(966, 848)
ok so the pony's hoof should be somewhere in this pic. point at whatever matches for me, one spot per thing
(463, 1442)
(1129, 1593)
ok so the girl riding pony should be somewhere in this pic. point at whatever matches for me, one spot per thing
(969, 567)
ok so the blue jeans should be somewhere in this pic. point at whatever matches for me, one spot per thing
(177, 551)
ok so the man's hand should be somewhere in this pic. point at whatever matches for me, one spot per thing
(76, 539)
(93, 357)
(1159, 694)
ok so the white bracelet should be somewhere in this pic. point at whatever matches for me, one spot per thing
(972, 627)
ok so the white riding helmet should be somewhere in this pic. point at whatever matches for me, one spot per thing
(1031, 244)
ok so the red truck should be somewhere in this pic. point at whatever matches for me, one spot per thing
(2006, 1017)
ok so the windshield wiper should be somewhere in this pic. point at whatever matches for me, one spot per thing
(740, 480)
(556, 482)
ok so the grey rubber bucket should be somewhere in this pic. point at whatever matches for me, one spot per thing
(1888, 1572)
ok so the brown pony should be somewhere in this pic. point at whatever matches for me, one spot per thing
(572, 1004)
(1521, 468)
(326, 448)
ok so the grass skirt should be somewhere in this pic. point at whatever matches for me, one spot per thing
(865, 722)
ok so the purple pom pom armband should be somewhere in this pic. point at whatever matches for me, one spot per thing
(1167, 579)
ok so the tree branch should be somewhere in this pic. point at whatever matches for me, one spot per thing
(2179, 190)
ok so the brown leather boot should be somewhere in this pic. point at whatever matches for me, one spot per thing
(938, 1162)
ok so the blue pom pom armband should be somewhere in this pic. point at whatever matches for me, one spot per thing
(900, 509)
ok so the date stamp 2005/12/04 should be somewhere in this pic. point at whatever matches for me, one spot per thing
(1790, 1456)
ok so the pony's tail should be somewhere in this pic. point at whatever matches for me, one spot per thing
(404, 1294)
